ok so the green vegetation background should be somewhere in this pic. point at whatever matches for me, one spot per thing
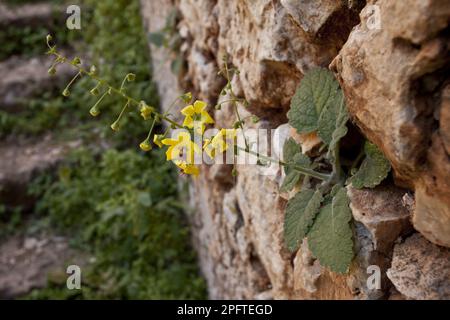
(118, 204)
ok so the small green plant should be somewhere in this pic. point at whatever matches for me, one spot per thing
(320, 211)
(169, 38)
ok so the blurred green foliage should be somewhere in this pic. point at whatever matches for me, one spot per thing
(120, 206)
(123, 208)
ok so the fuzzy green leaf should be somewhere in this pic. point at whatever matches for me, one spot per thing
(292, 155)
(332, 121)
(373, 169)
(290, 149)
(157, 38)
(290, 181)
(317, 90)
(330, 238)
(300, 213)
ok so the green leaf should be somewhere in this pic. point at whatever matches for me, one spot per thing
(290, 181)
(330, 238)
(373, 169)
(157, 38)
(300, 213)
(332, 121)
(144, 198)
(177, 65)
(292, 155)
(290, 149)
(317, 90)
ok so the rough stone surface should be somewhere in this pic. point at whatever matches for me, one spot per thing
(28, 263)
(420, 269)
(382, 212)
(23, 78)
(21, 160)
(392, 79)
(30, 15)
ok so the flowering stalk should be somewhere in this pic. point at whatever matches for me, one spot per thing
(300, 169)
(61, 59)
(196, 117)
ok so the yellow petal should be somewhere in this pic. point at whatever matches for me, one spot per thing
(157, 140)
(169, 142)
(170, 153)
(188, 122)
(199, 106)
(206, 118)
(188, 111)
(191, 169)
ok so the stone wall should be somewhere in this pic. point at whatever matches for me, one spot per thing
(391, 58)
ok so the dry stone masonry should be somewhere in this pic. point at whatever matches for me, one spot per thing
(394, 73)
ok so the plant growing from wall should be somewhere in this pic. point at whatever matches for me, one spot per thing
(169, 38)
(320, 210)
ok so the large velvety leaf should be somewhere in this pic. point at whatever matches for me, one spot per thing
(373, 169)
(332, 121)
(300, 213)
(317, 90)
(290, 149)
(290, 181)
(330, 238)
(293, 156)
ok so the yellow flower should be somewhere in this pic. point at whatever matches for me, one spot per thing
(188, 168)
(157, 140)
(145, 110)
(196, 116)
(219, 143)
(181, 148)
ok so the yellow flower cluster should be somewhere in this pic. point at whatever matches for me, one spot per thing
(181, 148)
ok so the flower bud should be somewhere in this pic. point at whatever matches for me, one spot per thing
(157, 138)
(146, 111)
(187, 97)
(94, 111)
(93, 70)
(76, 61)
(66, 92)
(255, 119)
(131, 77)
(115, 126)
(145, 145)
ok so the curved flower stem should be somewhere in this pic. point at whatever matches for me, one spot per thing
(300, 169)
(234, 101)
(81, 71)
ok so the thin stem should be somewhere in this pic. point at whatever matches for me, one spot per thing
(73, 80)
(118, 92)
(230, 100)
(303, 170)
(151, 129)
(235, 107)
